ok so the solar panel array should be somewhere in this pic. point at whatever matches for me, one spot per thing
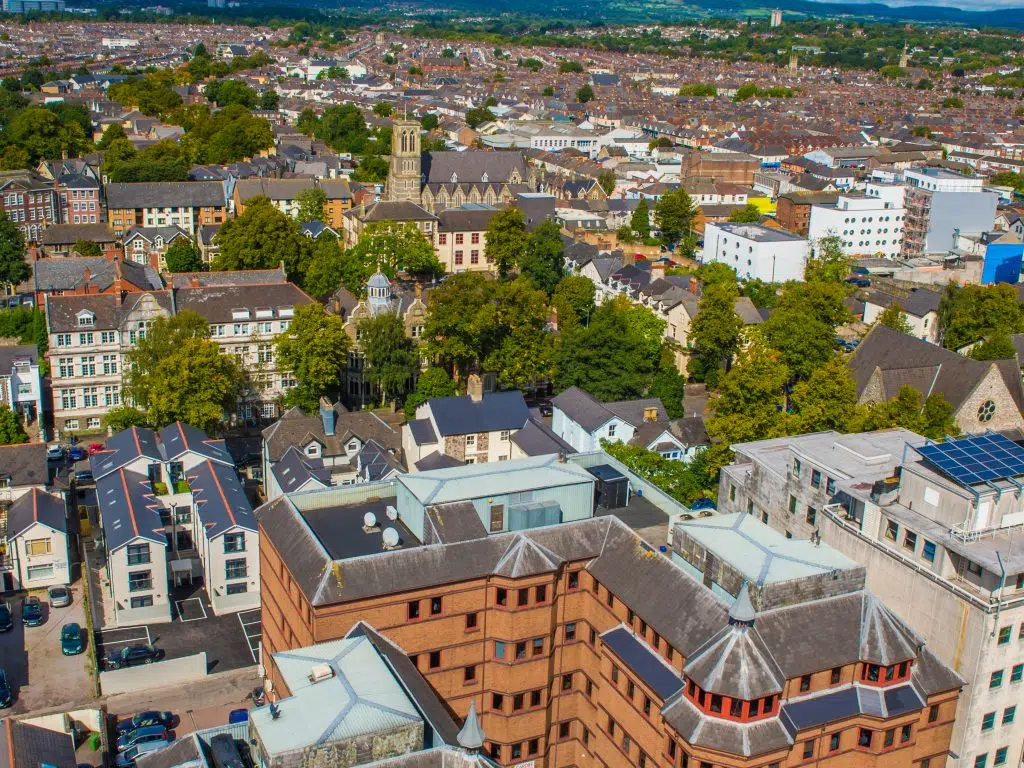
(977, 459)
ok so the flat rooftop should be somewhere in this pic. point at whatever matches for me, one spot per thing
(474, 481)
(759, 233)
(760, 553)
(340, 529)
(646, 520)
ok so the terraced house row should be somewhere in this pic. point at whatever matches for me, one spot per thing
(578, 643)
(90, 335)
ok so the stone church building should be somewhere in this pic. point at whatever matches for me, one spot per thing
(440, 180)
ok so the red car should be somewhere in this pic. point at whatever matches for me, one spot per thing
(95, 448)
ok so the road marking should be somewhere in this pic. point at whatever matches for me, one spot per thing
(253, 649)
(181, 614)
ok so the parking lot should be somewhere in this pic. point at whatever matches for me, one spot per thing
(230, 641)
(40, 675)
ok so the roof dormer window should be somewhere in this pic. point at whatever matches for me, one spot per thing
(86, 319)
(239, 314)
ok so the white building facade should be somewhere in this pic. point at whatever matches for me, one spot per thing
(755, 251)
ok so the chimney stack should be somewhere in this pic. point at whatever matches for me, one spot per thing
(694, 286)
(475, 387)
(193, 281)
(650, 414)
(657, 270)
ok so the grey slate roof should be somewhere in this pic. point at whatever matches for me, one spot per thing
(454, 521)
(69, 234)
(239, 277)
(736, 738)
(460, 415)
(110, 312)
(590, 413)
(437, 460)
(69, 274)
(736, 663)
(294, 469)
(166, 194)
(128, 510)
(903, 359)
(472, 166)
(23, 745)
(537, 439)
(220, 498)
(652, 670)
(178, 438)
(24, 464)
(215, 303)
(123, 448)
(36, 507)
(15, 353)
(297, 428)
(376, 462)
(422, 431)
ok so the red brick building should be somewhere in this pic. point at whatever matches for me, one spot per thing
(581, 645)
(29, 201)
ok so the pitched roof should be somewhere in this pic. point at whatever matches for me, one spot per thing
(590, 413)
(36, 507)
(216, 303)
(220, 499)
(473, 167)
(109, 310)
(461, 415)
(906, 360)
(24, 464)
(165, 194)
(298, 429)
(128, 510)
(23, 745)
(69, 234)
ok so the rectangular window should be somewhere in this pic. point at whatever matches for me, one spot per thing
(1017, 673)
(574, 580)
(501, 596)
(864, 738)
(541, 594)
(442, 238)
(499, 649)
(905, 734)
(523, 598)
(830, 486)
(890, 738)
(538, 646)
(980, 761)
(910, 540)
(435, 606)
(815, 478)
(434, 661)
(808, 749)
(1001, 756)
(833, 742)
(836, 675)
(928, 551)
(812, 515)
(458, 257)
(235, 569)
(533, 746)
(1009, 714)
(234, 542)
(534, 698)
(792, 504)
(238, 588)
(892, 529)
(469, 674)
(142, 602)
(988, 721)
(37, 547)
(995, 679)
(33, 572)
(805, 683)
(933, 713)
(520, 651)
(139, 580)
(570, 631)
(517, 702)
(497, 702)
(413, 610)
(567, 682)
(1004, 635)
(470, 621)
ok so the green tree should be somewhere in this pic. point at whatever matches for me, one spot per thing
(826, 400)
(624, 235)
(549, 91)
(307, 121)
(41, 133)
(393, 247)
(312, 203)
(11, 430)
(828, 263)
(997, 347)
(269, 100)
(640, 221)
(224, 92)
(515, 343)
(584, 93)
(748, 214)
(804, 342)
(432, 383)
(543, 259)
(610, 357)
(112, 132)
(668, 387)
(261, 238)
(684, 481)
(952, 102)
(315, 349)
(14, 158)
(383, 109)
(573, 300)
(932, 419)
(478, 115)
(177, 373)
(674, 215)
(183, 256)
(326, 269)
(343, 128)
(894, 317)
(715, 333)
(973, 312)
(87, 248)
(390, 356)
(429, 122)
(122, 417)
(506, 239)
(570, 67)
(13, 268)
(606, 180)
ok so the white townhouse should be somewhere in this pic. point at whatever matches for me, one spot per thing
(174, 515)
(37, 542)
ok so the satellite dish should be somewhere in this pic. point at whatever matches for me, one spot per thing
(369, 520)
(391, 512)
(390, 536)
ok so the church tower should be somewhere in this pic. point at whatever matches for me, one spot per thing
(404, 173)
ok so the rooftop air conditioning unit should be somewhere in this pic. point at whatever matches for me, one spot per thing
(320, 672)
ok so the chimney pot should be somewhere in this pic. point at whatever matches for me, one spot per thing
(475, 387)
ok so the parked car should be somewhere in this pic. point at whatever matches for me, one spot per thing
(141, 735)
(238, 716)
(6, 620)
(127, 758)
(83, 476)
(6, 697)
(71, 640)
(131, 656)
(55, 452)
(31, 612)
(60, 597)
(860, 282)
(142, 719)
(77, 453)
(95, 448)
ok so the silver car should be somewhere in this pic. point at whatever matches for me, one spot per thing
(60, 597)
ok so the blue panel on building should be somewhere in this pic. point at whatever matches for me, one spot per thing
(1002, 263)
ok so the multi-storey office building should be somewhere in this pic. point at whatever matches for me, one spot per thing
(580, 645)
(940, 205)
(91, 335)
(939, 546)
(173, 512)
(868, 224)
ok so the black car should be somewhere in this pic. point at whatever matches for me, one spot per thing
(6, 620)
(6, 697)
(132, 656)
(31, 612)
(144, 719)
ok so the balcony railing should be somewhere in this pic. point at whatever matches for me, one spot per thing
(139, 559)
(140, 586)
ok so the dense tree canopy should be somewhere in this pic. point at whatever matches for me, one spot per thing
(315, 349)
(261, 238)
(183, 256)
(674, 215)
(506, 239)
(13, 268)
(389, 356)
